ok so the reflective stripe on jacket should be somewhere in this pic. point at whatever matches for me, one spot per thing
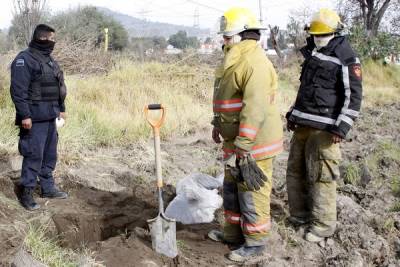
(244, 102)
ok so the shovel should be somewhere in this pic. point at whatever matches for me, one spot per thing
(162, 228)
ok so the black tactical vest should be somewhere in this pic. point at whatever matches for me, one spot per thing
(49, 86)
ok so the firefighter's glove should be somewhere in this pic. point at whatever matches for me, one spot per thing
(235, 172)
(251, 173)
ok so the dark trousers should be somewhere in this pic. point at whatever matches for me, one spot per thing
(38, 146)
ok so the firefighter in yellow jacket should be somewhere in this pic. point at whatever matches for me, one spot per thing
(247, 119)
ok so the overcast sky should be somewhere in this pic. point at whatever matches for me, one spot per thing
(182, 12)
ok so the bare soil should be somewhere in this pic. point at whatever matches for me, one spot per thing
(112, 194)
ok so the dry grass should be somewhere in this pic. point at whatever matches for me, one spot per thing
(48, 251)
(381, 83)
(288, 86)
(80, 57)
(107, 109)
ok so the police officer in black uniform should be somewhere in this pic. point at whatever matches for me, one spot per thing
(38, 92)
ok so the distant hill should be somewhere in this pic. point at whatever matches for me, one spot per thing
(144, 28)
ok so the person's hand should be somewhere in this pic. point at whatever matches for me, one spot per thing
(63, 115)
(336, 139)
(27, 123)
(291, 126)
(216, 135)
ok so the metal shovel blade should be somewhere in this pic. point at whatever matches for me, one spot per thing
(163, 235)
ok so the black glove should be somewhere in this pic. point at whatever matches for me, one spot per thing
(235, 172)
(251, 174)
(291, 126)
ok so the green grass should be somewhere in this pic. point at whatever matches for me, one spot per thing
(352, 174)
(395, 186)
(213, 170)
(287, 234)
(395, 207)
(48, 251)
(181, 244)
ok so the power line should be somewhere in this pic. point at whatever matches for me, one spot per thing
(164, 7)
(204, 5)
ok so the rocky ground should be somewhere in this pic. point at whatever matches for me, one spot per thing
(112, 196)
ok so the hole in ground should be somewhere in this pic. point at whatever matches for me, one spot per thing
(91, 215)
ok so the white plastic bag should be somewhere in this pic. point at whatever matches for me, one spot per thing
(197, 199)
(202, 180)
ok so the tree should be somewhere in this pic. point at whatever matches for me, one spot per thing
(159, 42)
(274, 35)
(4, 45)
(377, 47)
(89, 23)
(298, 19)
(296, 33)
(283, 39)
(369, 31)
(208, 40)
(182, 41)
(27, 14)
(394, 14)
(368, 12)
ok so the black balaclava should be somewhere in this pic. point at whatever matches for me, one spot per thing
(250, 35)
(44, 46)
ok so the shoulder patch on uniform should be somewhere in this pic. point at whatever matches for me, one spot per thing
(20, 62)
(357, 71)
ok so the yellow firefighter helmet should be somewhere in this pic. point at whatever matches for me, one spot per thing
(236, 20)
(325, 21)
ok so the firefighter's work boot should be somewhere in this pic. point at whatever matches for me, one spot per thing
(244, 253)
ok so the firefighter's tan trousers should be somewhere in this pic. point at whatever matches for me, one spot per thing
(312, 171)
(247, 213)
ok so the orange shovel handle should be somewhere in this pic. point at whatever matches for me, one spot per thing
(155, 124)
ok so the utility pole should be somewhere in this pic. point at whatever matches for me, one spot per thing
(196, 22)
(105, 39)
(264, 38)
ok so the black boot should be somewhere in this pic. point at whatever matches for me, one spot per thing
(27, 200)
(54, 193)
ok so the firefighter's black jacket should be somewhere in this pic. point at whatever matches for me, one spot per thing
(330, 92)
